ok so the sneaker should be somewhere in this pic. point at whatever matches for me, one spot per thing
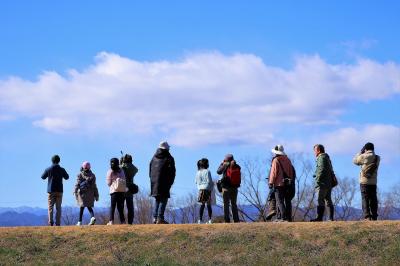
(154, 220)
(271, 214)
(92, 221)
(110, 223)
(79, 224)
(199, 221)
(209, 221)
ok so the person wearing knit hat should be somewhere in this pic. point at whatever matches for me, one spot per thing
(368, 178)
(86, 192)
(229, 189)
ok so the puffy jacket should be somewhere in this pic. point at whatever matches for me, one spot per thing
(366, 160)
(55, 175)
(276, 174)
(162, 173)
(86, 197)
(323, 171)
(130, 171)
(203, 180)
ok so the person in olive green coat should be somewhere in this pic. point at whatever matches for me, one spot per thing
(323, 179)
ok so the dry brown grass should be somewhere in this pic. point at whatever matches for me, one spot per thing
(328, 243)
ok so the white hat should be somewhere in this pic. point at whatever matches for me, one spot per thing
(164, 145)
(278, 150)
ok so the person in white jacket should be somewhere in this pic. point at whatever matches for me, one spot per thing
(205, 186)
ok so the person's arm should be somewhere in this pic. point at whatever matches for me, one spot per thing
(45, 174)
(77, 184)
(358, 159)
(319, 170)
(109, 178)
(96, 191)
(65, 174)
(173, 170)
(273, 173)
(222, 168)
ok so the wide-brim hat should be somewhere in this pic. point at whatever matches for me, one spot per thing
(279, 150)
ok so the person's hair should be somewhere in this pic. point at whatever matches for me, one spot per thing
(202, 164)
(55, 159)
(320, 147)
(369, 146)
(127, 158)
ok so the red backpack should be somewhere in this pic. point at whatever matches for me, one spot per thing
(234, 175)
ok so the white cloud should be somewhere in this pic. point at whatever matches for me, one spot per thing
(386, 139)
(206, 98)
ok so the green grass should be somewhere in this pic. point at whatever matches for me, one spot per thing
(337, 243)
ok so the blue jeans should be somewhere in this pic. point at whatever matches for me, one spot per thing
(159, 207)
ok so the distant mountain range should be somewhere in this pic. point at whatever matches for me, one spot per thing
(33, 216)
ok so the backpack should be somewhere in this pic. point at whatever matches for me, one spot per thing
(234, 175)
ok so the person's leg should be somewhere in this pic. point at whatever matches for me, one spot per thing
(225, 197)
(113, 205)
(233, 197)
(90, 209)
(280, 197)
(288, 206)
(120, 206)
(129, 206)
(50, 201)
(365, 201)
(209, 208)
(329, 204)
(163, 206)
(156, 207)
(202, 206)
(373, 201)
(58, 207)
(321, 192)
(81, 209)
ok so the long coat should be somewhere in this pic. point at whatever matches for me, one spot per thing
(162, 173)
(87, 197)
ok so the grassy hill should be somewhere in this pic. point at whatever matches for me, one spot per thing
(343, 243)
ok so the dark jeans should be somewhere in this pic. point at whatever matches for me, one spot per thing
(369, 201)
(117, 200)
(129, 206)
(209, 209)
(229, 196)
(159, 207)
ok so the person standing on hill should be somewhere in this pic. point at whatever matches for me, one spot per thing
(55, 175)
(130, 171)
(205, 186)
(231, 179)
(162, 176)
(86, 192)
(281, 171)
(117, 182)
(324, 181)
(369, 163)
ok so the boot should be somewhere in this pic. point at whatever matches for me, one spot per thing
(331, 213)
(272, 210)
(320, 214)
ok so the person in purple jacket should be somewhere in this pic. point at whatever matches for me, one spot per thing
(55, 175)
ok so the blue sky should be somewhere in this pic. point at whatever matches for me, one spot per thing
(86, 80)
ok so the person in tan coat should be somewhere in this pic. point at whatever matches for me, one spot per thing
(369, 163)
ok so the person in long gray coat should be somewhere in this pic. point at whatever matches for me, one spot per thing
(86, 192)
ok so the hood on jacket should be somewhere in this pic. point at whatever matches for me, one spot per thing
(161, 153)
